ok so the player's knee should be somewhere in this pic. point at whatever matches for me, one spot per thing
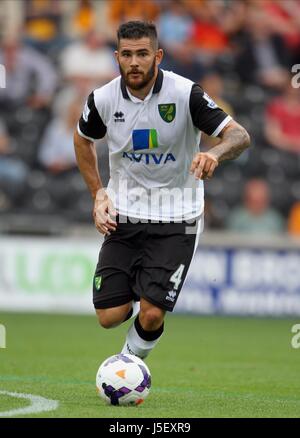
(106, 323)
(151, 318)
(106, 320)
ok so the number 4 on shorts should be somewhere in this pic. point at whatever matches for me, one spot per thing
(177, 276)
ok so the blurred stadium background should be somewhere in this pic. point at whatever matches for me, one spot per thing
(242, 52)
(245, 54)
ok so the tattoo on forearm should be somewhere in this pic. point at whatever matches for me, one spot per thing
(234, 141)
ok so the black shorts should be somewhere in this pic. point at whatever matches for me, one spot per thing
(148, 260)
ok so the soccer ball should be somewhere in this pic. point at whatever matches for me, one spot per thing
(123, 379)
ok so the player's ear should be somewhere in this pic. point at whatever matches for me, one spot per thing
(116, 53)
(159, 56)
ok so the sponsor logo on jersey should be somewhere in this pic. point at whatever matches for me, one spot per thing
(171, 296)
(119, 116)
(144, 139)
(210, 102)
(167, 112)
(149, 158)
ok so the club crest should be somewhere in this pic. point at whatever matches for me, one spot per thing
(167, 112)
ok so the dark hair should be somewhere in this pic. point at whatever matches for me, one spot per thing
(134, 30)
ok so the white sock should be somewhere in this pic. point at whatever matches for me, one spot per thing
(136, 305)
(140, 342)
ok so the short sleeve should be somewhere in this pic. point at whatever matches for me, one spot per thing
(205, 113)
(90, 124)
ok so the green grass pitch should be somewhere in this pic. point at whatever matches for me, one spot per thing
(202, 367)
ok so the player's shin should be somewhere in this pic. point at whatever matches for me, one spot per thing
(139, 341)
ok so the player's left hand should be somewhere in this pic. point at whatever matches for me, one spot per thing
(203, 165)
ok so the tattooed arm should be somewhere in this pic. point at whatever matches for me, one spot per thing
(235, 139)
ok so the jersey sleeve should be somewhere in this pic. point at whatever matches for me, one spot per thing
(205, 113)
(90, 125)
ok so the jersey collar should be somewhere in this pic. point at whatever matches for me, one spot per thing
(156, 88)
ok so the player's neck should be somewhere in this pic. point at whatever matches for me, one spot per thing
(143, 92)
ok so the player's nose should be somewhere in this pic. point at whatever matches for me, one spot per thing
(134, 61)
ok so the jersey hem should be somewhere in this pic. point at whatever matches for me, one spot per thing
(185, 217)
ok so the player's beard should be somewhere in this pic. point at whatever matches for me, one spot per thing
(146, 78)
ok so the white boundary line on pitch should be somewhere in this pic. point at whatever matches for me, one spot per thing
(38, 404)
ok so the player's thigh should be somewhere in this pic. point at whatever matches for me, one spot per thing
(117, 259)
(168, 256)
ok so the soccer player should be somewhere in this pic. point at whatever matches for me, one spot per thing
(154, 200)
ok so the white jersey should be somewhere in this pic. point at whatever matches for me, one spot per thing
(152, 143)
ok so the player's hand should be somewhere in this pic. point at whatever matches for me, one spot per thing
(203, 165)
(104, 213)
